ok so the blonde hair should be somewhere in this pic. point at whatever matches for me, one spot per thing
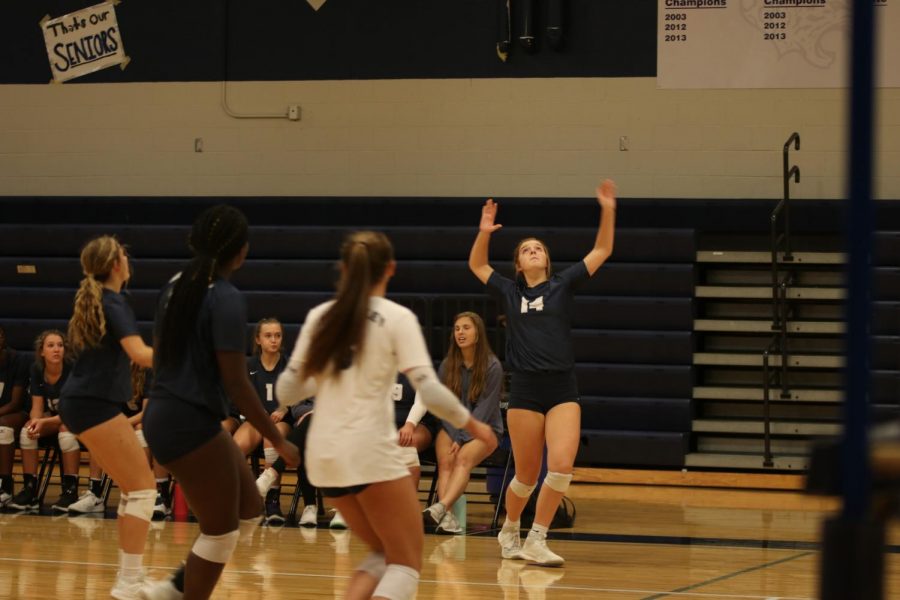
(88, 323)
(39, 345)
(138, 379)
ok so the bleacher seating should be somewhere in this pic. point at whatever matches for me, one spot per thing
(633, 322)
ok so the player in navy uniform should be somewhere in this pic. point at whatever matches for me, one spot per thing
(13, 412)
(92, 500)
(200, 364)
(543, 396)
(474, 374)
(104, 337)
(264, 367)
(347, 356)
(48, 374)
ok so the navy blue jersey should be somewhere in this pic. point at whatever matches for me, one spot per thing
(486, 407)
(264, 381)
(13, 372)
(220, 326)
(49, 392)
(538, 319)
(104, 372)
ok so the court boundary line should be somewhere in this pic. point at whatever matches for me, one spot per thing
(575, 588)
(729, 576)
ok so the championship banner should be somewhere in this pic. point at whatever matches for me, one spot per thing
(768, 43)
(83, 42)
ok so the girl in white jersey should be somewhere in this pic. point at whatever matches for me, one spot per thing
(348, 355)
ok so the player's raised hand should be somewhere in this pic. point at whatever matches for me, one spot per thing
(606, 194)
(488, 214)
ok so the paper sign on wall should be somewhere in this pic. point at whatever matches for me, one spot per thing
(768, 43)
(84, 42)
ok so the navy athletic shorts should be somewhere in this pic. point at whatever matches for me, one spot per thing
(174, 428)
(337, 492)
(81, 414)
(540, 391)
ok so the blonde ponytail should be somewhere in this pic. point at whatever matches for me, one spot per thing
(88, 323)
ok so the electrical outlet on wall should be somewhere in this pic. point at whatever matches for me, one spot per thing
(294, 112)
(623, 143)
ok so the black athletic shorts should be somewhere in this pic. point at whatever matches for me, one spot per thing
(432, 424)
(81, 414)
(540, 391)
(337, 492)
(174, 428)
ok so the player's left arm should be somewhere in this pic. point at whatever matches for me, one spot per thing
(603, 244)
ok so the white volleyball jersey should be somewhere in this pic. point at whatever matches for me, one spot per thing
(353, 437)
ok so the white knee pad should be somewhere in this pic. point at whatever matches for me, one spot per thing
(139, 434)
(123, 504)
(216, 548)
(68, 442)
(7, 435)
(520, 489)
(271, 455)
(25, 442)
(410, 457)
(558, 481)
(373, 564)
(399, 583)
(139, 504)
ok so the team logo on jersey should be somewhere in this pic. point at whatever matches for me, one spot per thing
(536, 305)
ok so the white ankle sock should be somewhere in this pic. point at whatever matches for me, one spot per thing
(507, 524)
(130, 565)
(538, 532)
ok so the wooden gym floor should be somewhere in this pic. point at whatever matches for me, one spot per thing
(630, 542)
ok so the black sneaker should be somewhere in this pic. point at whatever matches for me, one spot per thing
(24, 500)
(67, 497)
(161, 509)
(273, 513)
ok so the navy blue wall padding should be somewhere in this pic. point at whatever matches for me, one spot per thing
(626, 313)
(886, 353)
(886, 282)
(417, 243)
(809, 216)
(425, 277)
(886, 318)
(633, 347)
(212, 40)
(636, 414)
(632, 448)
(661, 381)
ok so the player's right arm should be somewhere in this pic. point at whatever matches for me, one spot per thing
(478, 256)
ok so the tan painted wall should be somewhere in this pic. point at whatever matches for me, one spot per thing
(462, 137)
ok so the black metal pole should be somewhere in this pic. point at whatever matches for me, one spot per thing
(853, 543)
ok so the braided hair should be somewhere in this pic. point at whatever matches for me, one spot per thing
(218, 236)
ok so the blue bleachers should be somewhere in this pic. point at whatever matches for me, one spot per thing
(632, 322)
